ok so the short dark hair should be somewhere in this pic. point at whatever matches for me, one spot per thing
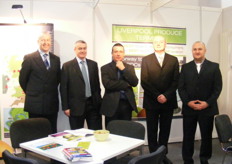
(80, 41)
(117, 44)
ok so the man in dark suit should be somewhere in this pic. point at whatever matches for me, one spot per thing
(80, 90)
(39, 78)
(159, 79)
(118, 79)
(200, 85)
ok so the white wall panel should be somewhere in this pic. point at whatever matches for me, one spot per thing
(74, 20)
(108, 14)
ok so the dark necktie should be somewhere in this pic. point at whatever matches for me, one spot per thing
(46, 61)
(87, 85)
(122, 92)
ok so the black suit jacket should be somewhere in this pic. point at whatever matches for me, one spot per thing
(39, 84)
(157, 80)
(72, 87)
(113, 85)
(205, 86)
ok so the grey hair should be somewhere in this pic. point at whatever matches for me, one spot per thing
(200, 43)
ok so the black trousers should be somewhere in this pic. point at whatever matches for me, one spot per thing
(91, 115)
(124, 112)
(158, 119)
(206, 128)
(51, 117)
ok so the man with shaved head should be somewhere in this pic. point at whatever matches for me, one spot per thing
(200, 85)
(159, 79)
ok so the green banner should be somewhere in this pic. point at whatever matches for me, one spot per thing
(124, 33)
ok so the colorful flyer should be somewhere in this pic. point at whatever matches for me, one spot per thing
(49, 146)
(84, 144)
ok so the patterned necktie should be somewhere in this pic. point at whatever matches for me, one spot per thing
(87, 85)
(160, 60)
(46, 61)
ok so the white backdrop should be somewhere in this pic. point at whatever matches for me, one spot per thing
(74, 20)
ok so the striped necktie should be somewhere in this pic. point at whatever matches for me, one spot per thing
(46, 61)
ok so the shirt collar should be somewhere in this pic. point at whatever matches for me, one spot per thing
(199, 63)
(42, 52)
(79, 60)
(160, 54)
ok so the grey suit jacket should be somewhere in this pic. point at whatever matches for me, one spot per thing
(39, 84)
(72, 87)
(205, 86)
(113, 85)
(157, 80)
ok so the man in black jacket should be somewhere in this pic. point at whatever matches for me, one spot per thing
(200, 85)
(159, 79)
(118, 79)
(80, 90)
(39, 78)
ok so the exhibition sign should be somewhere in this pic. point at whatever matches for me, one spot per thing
(138, 42)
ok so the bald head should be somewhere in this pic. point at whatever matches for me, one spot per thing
(198, 51)
(159, 44)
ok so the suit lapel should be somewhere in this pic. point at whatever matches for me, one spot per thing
(39, 61)
(114, 70)
(155, 60)
(90, 71)
(166, 60)
(51, 57)
(194, 68)
(203, 66)
(77, 69)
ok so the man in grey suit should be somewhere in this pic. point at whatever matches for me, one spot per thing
(159, 79)
(118, 79)
(200, 85)
(80, 90)
(39, 78)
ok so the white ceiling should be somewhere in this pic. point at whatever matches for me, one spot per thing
(203, 3)
(158, 3)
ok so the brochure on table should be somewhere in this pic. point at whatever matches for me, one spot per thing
(64, 140)
(72, 135)
(77, 154)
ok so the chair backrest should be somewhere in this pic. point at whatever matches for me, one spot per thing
(29, 129)
(223, 127)
(127, 128)
(152, 158)
(12, 159)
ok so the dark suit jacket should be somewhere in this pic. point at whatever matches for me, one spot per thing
(157, 80)
(39, 84)
(113, 86)
(72, 87)
(205, 86)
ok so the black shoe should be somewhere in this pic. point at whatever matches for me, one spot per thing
(166, 160)
(189, 162)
